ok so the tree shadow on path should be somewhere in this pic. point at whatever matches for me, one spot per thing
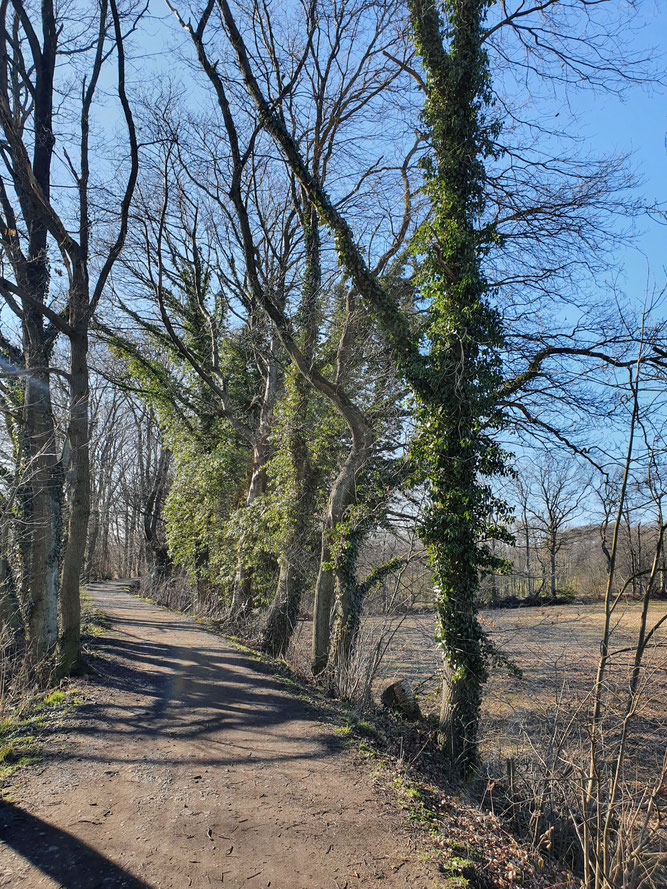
(59, 855)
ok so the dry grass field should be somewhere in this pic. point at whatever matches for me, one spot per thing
(555, 648)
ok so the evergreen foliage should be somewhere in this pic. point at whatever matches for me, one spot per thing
(456, 448)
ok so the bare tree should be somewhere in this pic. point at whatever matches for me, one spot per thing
(558, 488)
(36, 221)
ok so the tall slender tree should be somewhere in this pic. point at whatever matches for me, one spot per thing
(35, 231)
(464, 336)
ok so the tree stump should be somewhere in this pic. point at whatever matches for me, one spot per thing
(400, 698)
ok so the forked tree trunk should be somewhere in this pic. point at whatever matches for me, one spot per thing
(284, 610)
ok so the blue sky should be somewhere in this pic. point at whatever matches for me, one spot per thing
(638, 124)
(606, 124)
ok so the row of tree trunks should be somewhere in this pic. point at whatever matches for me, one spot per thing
(56, 484)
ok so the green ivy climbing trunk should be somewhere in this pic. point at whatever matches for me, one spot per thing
(284, 610)
(454, 445)
(454, 368)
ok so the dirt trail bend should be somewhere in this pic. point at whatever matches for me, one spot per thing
(189, 766)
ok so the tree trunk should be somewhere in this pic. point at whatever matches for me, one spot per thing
(88, 571)
(156, 551)
(528, 565)
(79, 507)
(552, 561)
(11, 621)
(242, 594)
(331, 578)
(493, 579)
(42, 501)
(347, 618)
(459, 716)
(323, 604)
(105, 566)
(284, 610)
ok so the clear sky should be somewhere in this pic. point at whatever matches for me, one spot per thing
(638, 123)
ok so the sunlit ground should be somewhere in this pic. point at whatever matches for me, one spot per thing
(557, 651)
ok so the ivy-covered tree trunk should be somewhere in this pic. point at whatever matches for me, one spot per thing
(284, 610)
(242, 592)
(293, 572)
(332, 577)
(464, 337)
(455, 370)
(347, 611)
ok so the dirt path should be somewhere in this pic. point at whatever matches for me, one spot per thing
(188, 766)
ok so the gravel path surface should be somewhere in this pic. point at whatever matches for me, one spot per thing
(189, 766)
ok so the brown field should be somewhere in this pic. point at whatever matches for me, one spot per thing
(556, 650)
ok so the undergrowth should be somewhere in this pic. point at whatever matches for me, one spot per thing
(25, 731)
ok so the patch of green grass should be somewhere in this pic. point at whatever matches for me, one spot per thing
(465, 850)
(14, 755)
(8, 754)
(53, 700)
(367, 750)
(366, 729)
(257, 656)
(416, 801)
(93, 621)
(288, 681)
(343, 731)
(462, 873)
(360, 734)
(456, 882)
(23, 735)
